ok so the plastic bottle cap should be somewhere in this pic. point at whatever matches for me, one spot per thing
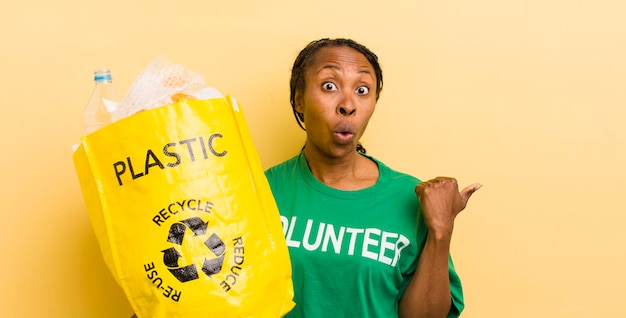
(102, 75)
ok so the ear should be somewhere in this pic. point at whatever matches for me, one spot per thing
(299, 107)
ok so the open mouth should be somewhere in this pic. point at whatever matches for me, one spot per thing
(343, 137)
(344, 133)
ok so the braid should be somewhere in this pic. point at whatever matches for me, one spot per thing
(360, 148)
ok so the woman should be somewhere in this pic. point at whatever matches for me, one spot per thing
(360, 242)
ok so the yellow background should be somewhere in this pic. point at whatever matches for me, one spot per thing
(526, 97)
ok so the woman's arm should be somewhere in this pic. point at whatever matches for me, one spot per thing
(428, 293)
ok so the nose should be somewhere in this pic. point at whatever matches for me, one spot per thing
(346, 106)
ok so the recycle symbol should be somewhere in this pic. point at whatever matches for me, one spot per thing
(210, 266)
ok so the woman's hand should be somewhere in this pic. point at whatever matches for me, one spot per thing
(441, 202)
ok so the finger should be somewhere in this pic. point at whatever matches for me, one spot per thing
(469, 190)
(431, 182)
(424, 184)
(440, 179)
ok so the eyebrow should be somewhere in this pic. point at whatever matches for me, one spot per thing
(335, 67)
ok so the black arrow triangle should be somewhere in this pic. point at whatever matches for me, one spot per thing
(185, 274)
(196, 225)
(170, 257)
(215, 244)
(176, 234)
(212, 266)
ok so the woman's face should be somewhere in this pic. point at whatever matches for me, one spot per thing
(337, 101)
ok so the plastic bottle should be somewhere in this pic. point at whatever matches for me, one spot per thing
(102, 102)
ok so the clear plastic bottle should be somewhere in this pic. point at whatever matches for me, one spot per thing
(102, 102)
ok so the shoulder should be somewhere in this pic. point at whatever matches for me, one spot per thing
(282, 170)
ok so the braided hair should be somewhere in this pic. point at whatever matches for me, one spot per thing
(307, 55)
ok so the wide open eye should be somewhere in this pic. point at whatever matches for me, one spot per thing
(329, 86)
(362, 90)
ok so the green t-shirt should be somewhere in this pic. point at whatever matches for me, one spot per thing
(352, 252)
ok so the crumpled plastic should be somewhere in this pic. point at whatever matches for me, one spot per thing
(155, 86)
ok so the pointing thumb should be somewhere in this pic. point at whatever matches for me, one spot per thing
(469, 190)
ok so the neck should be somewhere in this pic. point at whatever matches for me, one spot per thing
(352, 171)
